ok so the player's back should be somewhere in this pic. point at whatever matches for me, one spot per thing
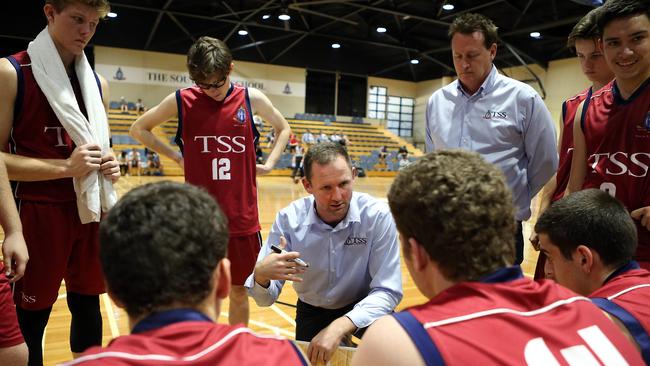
(521, 322)
(194, 343)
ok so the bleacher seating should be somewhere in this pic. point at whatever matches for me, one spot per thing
(365, 141)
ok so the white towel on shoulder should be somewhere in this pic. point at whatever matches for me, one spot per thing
(94, 192)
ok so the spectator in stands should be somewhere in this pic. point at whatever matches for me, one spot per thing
(124, 106)
(133, 160)
(403, 161)
(322, 137)
(156, 164)
(258, 122)
(139, 107)
(403, 151)
(124, 166)
(383, 154)
(259, 154)
(270, 138)
(296, 164)
(308, 138)
(293, 142)
(335, 137)
(344, 139)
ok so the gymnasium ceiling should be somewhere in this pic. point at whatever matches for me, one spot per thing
(415, 30)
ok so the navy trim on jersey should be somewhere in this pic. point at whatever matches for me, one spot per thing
(626, 267)
(99, 85)
(230, 89)
(563, 111)
(301, 357)
(20, 87)
(256, 133)
(585, 107)
(421, 338)
(179, 128)
(631, 323)
(503, 275)
(164, 318)
(617, 93)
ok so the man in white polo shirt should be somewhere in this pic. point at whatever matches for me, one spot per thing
(500, 118)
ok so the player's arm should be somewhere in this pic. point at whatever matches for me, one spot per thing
(263, 106)
(84, 159)
(14, 249)
(579, 160)
(141, 129)
(386, 343)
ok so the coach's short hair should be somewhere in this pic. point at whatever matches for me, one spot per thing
(206, 57)
(616, 9)
(593, 218)
(586, 28)
(323, 153)
(160, 245)
(470, 23)
(101, 6)
(459, 208)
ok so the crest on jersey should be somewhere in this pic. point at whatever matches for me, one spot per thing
(646, 123)
(241, 114)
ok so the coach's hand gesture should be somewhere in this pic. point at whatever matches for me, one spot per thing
(278, 266)
(324, 344)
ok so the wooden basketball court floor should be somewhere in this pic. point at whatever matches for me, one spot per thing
(274, 194)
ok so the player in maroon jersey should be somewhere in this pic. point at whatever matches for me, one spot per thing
(163, 251)
(216, 135)
(583, 40)
(454, 214)
(590, 241)
(13, 350)
(42, 159)
(612, 142)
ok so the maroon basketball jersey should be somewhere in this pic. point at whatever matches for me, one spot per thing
(631, 291)
(194, 343)
(569, 109)
(617, 137)
(37, 133)
(519, 322)
(219, 154)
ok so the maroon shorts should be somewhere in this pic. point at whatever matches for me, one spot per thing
(60, 247)
(9, 330)
(242, 253)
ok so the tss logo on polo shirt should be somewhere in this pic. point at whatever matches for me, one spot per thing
(356, 241)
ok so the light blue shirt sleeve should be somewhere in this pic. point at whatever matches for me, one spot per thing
(428, 139)
(384, 269)
(266, 296)
(540, 145)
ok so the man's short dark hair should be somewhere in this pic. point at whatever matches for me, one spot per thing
(592, 218)
(323, 153)
(616, 9)
(206, 57)
(586, 28)
(459, 208)
(470, 23)
(160, 245)
(101, 6)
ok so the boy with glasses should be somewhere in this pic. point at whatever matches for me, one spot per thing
(216, 136)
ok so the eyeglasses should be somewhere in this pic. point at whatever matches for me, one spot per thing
(216, 85)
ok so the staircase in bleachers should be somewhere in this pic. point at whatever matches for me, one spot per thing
(365, 142)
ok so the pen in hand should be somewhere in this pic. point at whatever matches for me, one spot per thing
(298, 261)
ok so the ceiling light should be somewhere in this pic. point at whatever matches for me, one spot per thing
(535, 34)
(242, 32)
(415, 62)
(111, 15)
(284, 15)
(381, 30)
(448, 7)
(336, 45)
(266, 16)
